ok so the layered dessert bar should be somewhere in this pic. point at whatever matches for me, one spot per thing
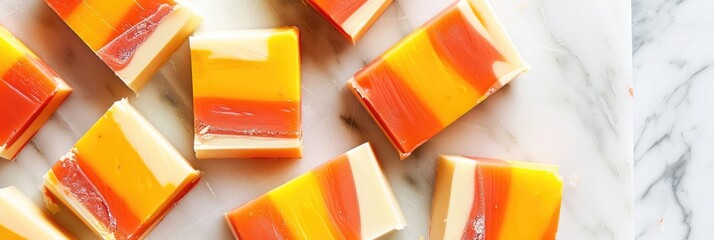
(122, 176)
(246, 94)
(345, 198)
(437, 74)
(133, 37)
(351, 17)
(477, 198)
(30, 92)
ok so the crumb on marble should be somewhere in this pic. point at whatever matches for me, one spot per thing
(523, 5)
(573, 180)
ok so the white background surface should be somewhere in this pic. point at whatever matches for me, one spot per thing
(674, 130)
(573, 109)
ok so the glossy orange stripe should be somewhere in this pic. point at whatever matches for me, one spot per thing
(247, 117)
(63, 8)
(259, 219)
(402, 115)
(467, 51)
(338, 11)
(338, 188)
(142, 10)
(493, 182)
(552, 228)
(119, 50)
(32, 78)
(106, 206)
(25, 91)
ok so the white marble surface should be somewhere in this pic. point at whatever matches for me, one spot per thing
(674, 121)
(573, 109)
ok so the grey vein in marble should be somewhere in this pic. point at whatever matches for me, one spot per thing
(674, 121)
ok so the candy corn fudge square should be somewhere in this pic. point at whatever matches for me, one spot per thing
(478, 198)
(122, 176)
(30, 92)
(246, 94)
(346, 198)
(133, 37)
(437, 74)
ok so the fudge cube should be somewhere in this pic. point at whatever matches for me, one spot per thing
(437, 74)
(30, 92)
(345, 198)
(246, 94)
(478, 198)
(122, 176)
(352, 18)
(133, 37)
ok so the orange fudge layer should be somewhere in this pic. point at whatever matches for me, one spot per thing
(30, 92)
(351, 17)
(21, 219)
(437, 74)
(345, 198)
(246, 94)
(133, 37)
(122, 176)
(477, 198)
